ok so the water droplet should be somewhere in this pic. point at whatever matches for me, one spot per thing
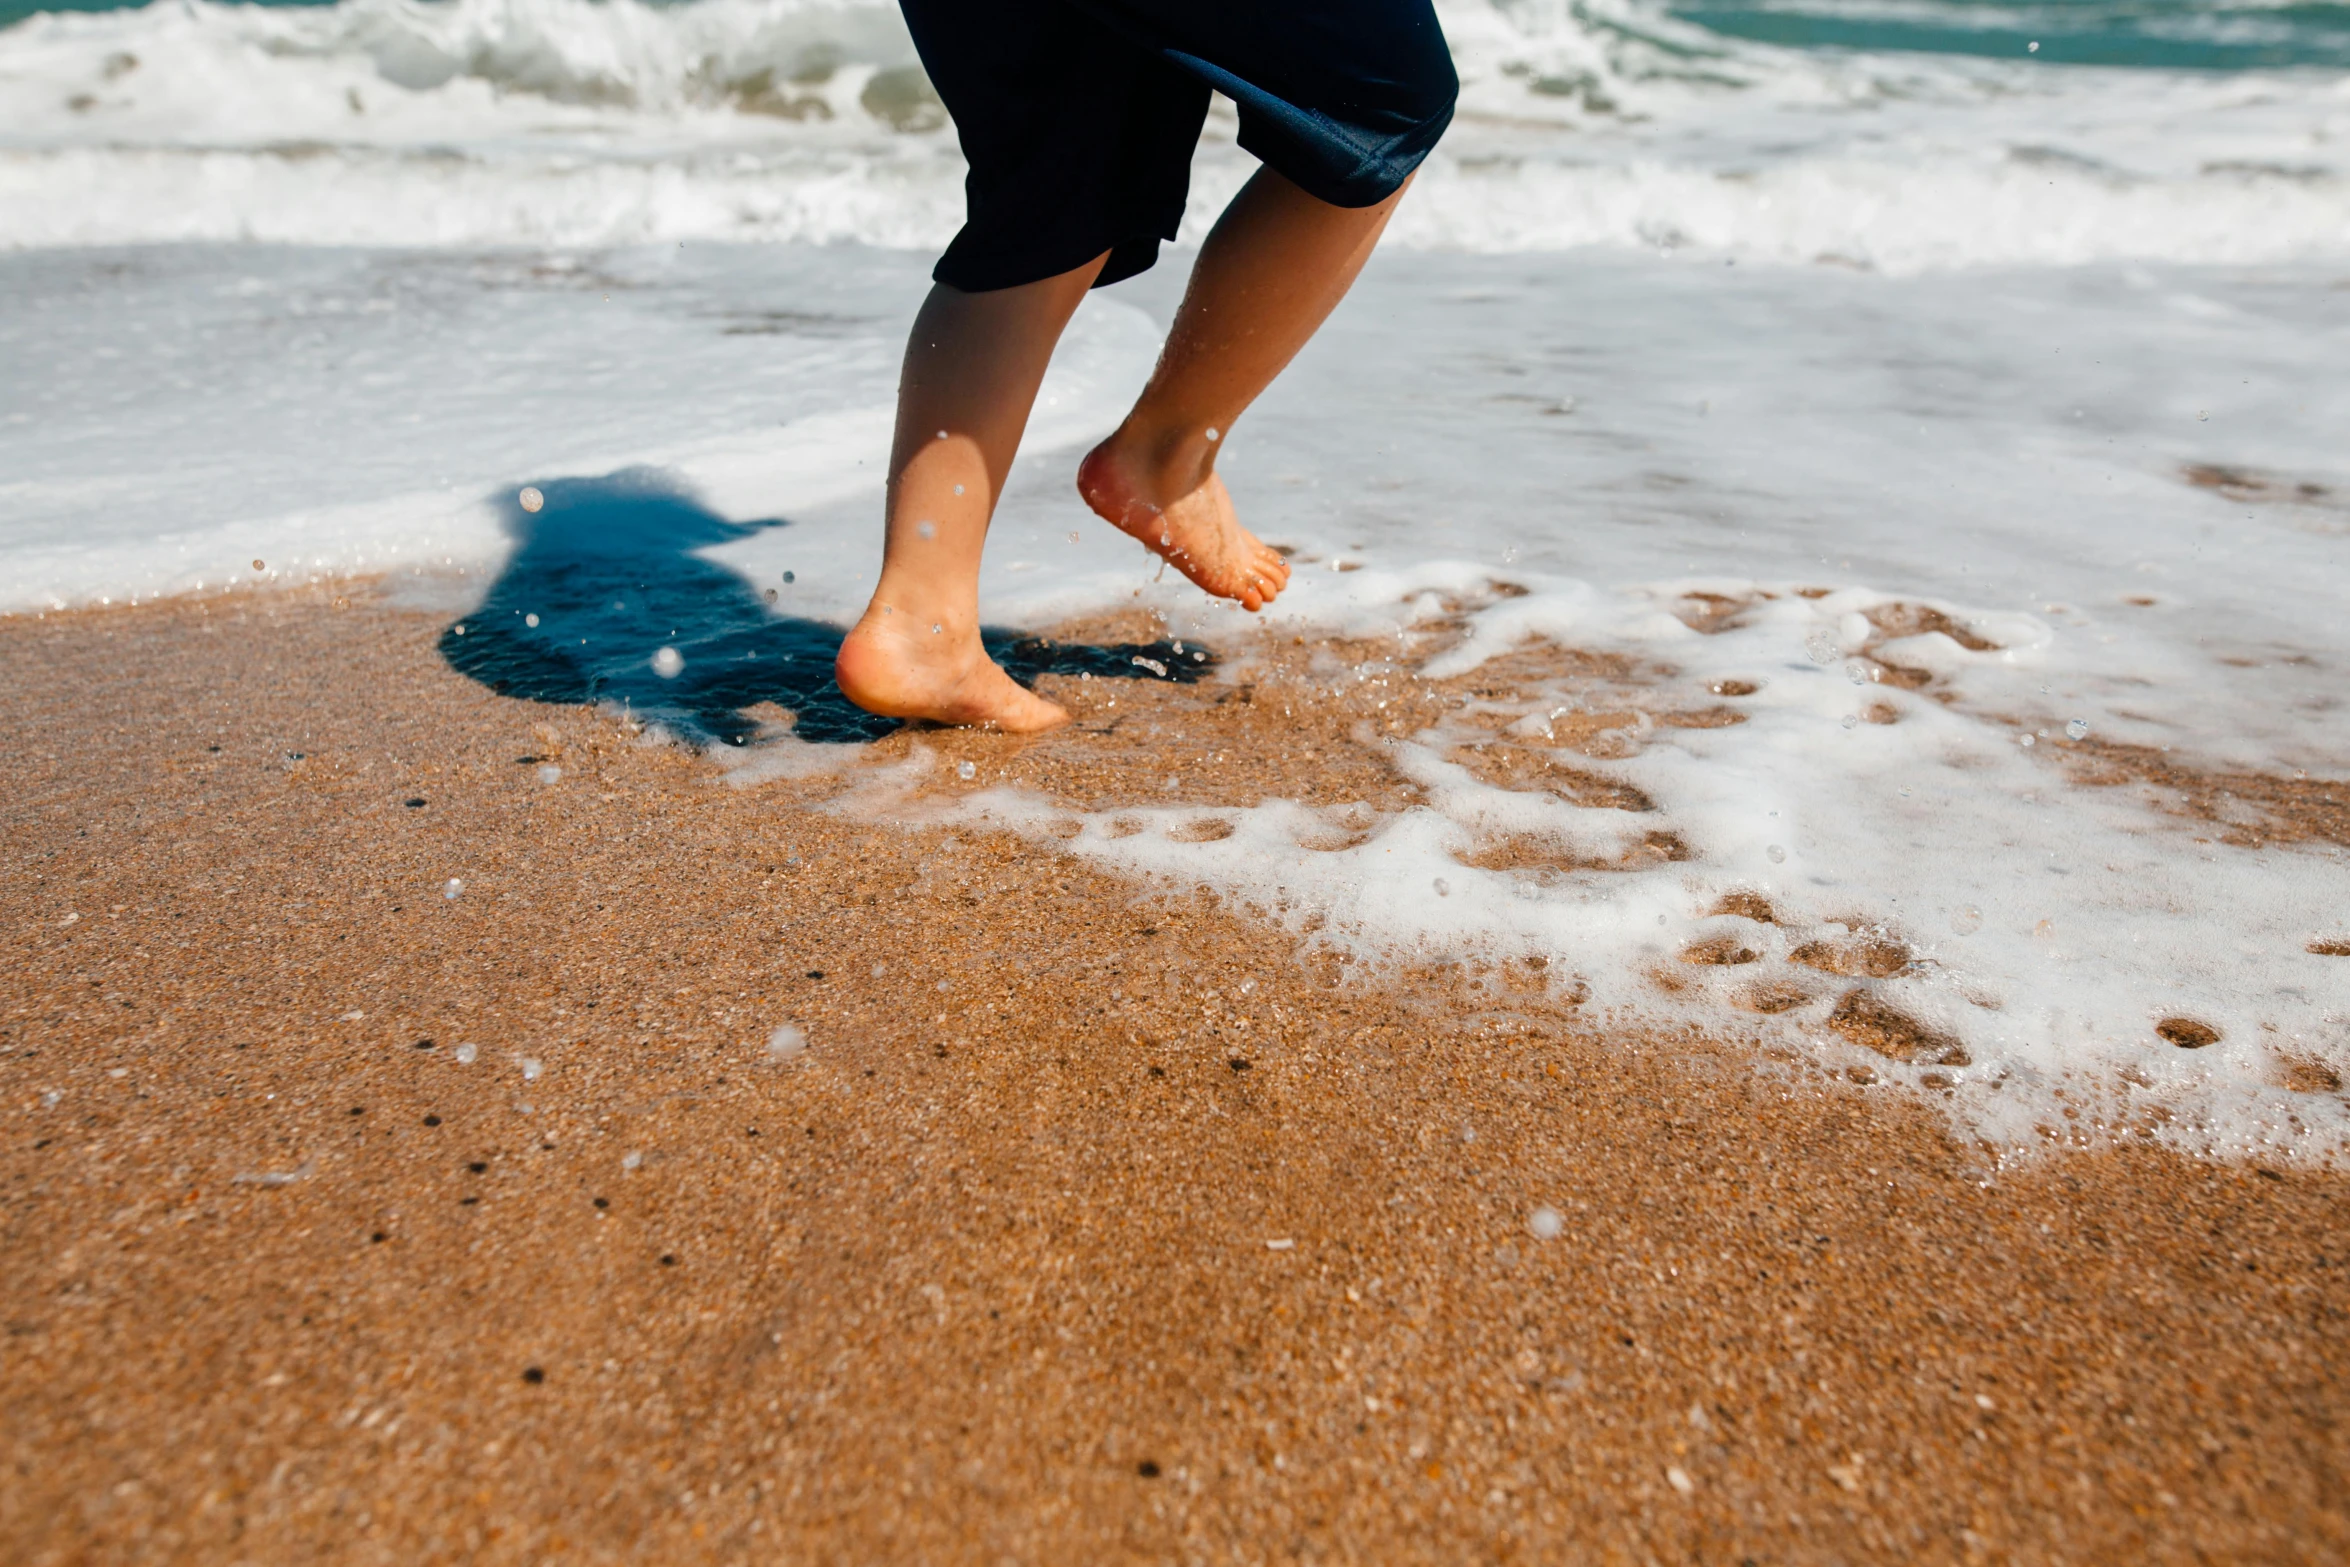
(2024, 740)
(668, 663)
(966, 770)
(926, 530)
(1858, 673)
(631, 1159)
(530, 498)
(771, 595)
(1178, 647)
(1215, 434)
(2077, 729)
(1820, 647)
(1776, 855)
(1546, 1224)
(258, 566)
(550, 774)
(466, 1054)
(2033, 47)
(1443, 888)
(1966, 919)
(531, 1069)
(936, 627)
(531, 621)
(1072, 535)
(958, 489)
(785, 1043)
(2202, 413)
(453, 889)
(1850, 720)
(791, 577)
(942, 435)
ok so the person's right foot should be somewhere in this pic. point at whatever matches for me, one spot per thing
(1196, 531)
(918, 674)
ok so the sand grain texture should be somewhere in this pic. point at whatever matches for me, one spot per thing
(1057, 1244)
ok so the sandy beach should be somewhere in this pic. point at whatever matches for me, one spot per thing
(399, 1168)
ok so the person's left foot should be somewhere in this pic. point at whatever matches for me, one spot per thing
(911, 672)
(1196, 531)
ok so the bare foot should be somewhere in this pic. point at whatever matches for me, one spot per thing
(1194, 531)
(901, 674)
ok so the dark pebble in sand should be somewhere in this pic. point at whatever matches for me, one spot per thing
(359, 1109)
(432, 1120)
(1148, 1469)
(533, 1374)
(668, 1261)
(477, 1167)
(603, 1202)
(377, 1239)
(416, 803)
(815, 973)
(424, 1044)
(1239, 1063)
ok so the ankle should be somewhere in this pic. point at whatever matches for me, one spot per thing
(1173, 457)
(930, 620)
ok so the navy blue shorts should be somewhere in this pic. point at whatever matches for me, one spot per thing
(1078, 117)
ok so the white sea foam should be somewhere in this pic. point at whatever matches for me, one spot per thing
(581, 122)
(2042, 928)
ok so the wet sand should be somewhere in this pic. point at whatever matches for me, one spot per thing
(1061, 1241)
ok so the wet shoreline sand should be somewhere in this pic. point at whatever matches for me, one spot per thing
(1093, 1224)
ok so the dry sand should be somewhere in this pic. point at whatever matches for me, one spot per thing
(1060, 1242)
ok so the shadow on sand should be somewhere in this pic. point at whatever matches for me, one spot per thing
(606, 574)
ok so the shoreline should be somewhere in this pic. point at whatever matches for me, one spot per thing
(1092, 1223)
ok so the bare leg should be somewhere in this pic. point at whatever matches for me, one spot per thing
(1276, 265)
(973, 364)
